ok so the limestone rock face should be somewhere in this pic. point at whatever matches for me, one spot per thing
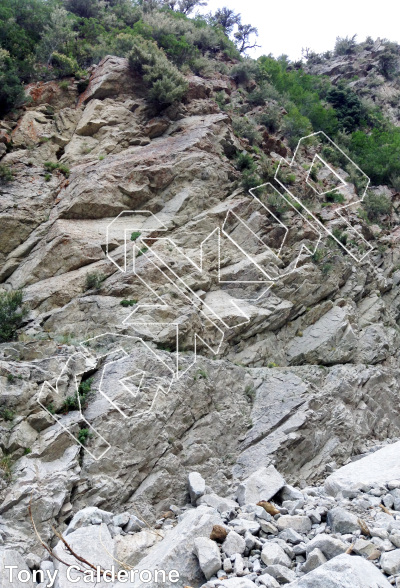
(286, 367)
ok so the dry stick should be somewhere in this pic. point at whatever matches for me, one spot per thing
(350, 549)
(50, 551)
(78, 557)
(47, 548)
(386, 510)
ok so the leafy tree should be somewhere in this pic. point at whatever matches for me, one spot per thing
(243, 37)
(11, 90)
(187, 6)
(21, 27)
(295, 126)
(377, 154)
(345, 45)
(348, 107)
(227, 19)
(57, 35)
(377, 205)
(84, 8)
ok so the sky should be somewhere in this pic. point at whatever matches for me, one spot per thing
(288, 26)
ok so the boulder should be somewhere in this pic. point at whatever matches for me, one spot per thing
(329, 546)
(109, 78)
(377, 468)
(281, 573)
(299, 523)
(10, 557)
(95, 544)
(268, 581)
(315, 559)
(197, 486)
(390, 562)
(220, 504)
(132, 548)
(176, 550)
(208, 554)
(87, 517)
(234, 543)
(272, 554)
(343, 571)
(262, 485)
(342, 521)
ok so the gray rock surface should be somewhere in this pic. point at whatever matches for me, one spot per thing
(342, 521)
(10, 557)
(262, 485)
(379, 467)
(176, 550)
(208, 555)
(93, 543)
(197, 486)
(344, 571)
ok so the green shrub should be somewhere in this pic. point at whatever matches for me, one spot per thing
(65, 66)
(141, 251)
(52, 166)
(245, 71)
(318, 255)
(64, 85)
(334, 197)
(250, 179)
(11, 314)
(377, 153)
(394, 181)
(295, 126)
(345, 45)
(6, 173)
(244, 161)
(94, 280)
(270, 118)
(277, 204)
(135, 235)
(6, 466)
(250, 392)
(84, 435)
(377, 205)
(126, 303)
(340, 236)
(259, 95)
(389, 61)
(12, 93)
(7, 414)
(348, 107)
(82, 397)
(245, 128)
(165, 82)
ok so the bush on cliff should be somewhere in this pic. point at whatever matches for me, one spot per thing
(11, 314)
(165, 82)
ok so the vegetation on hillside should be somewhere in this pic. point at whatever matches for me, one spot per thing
(167, 39)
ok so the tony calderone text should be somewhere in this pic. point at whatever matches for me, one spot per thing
(75, 574)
